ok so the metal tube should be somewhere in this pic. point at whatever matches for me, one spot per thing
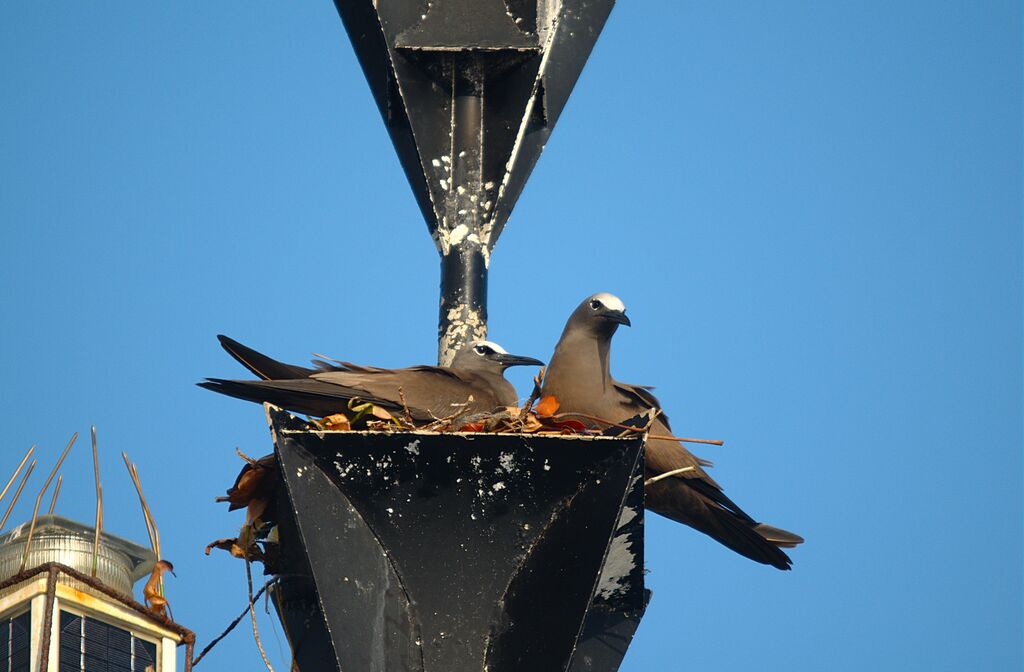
(463, 315)
(463, 311)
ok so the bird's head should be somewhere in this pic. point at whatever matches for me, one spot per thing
(600, 314)
(488, 356)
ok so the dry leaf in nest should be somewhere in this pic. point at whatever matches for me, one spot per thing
(247, 540)
(254, 512)
(234, 547)
(532, 424)
(569, 426)
(335, 423)
(367, 410)
(156, 602)
(255, 480)
(229, 545)
(547, 406)
(248, 534)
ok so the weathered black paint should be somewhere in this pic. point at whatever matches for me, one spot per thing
(470, 91)
(458, 553)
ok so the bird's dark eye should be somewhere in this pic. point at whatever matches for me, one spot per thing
(482, 349)
(595, 304)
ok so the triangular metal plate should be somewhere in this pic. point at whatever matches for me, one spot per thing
(519, 60)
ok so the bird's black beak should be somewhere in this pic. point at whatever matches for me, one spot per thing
(617, 316)
(508, 360)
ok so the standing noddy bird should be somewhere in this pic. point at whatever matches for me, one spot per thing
(474, 383)
(580, 379)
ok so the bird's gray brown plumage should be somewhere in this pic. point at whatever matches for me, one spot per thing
(579, 377)
(473, 384)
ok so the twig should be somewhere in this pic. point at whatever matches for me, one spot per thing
(99, 505)
(39, 500)
(331, 359)
(276, 596)
(655, 479)
(639, 430)
(56, 491)
(232, 625)
(534, 394)
(405, 406)
(440, 422)
(16, 472)
(17, 493)
(683, 439)
(245, 457)
(252, 611)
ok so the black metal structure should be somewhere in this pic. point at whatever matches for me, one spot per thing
(421, 552)
(470, 91)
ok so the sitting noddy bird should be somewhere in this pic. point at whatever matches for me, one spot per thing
(474, 383)
(580, 379)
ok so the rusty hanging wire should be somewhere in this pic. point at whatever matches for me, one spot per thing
(231, 626)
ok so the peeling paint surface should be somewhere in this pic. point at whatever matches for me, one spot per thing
(621, 561)
(464, 325)
(469, 522)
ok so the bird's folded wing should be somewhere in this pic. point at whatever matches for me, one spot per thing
(640, 395)
(429, 391)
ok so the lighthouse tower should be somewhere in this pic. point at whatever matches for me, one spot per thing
(61, 611)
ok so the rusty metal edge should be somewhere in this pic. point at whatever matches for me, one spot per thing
(52, 569)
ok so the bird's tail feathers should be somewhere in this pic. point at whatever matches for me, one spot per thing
(687, 501)
(308, 396)
(299, 396)
(740, 536)
(779, 537)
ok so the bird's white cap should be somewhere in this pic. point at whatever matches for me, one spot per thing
(610, 301)
(492, 345)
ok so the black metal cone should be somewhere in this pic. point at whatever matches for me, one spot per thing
(470, 91)
(458, 553)
(522, 58)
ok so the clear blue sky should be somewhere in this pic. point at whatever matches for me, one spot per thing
(812, 210)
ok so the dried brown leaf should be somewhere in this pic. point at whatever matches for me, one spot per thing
(151, 594)
(531, 424)
(337, 422)
(547, 406)
(254, 512)
(255, 480)
(229, 545)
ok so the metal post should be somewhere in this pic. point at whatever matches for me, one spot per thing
(463, 315)
(463, 311)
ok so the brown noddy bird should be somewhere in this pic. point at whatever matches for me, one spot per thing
(474, 383)
(580, 379)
